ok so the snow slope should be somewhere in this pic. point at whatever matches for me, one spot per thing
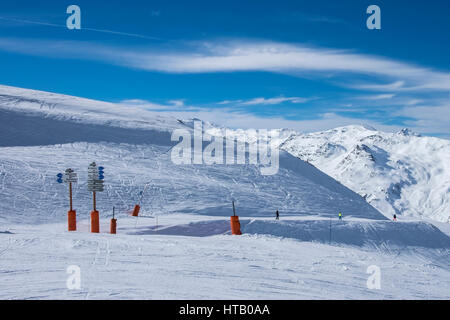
(180, 246)
(169, 264)
(136, 157)
(80, 111)
(28, 188)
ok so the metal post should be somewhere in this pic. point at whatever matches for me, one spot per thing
(330, 231)
(95, 201)
(70, 195)
(234, 210)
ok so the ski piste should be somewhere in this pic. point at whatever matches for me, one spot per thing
(193, 204)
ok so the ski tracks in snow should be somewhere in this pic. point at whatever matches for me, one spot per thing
(99, 264)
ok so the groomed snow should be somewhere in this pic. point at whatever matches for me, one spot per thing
(138, 263)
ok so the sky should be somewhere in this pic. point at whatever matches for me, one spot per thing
(305, 65)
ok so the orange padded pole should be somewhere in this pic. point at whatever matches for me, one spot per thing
(136, 210)
(72, 220)
(235, 225)
(113, 226)
(95, 222)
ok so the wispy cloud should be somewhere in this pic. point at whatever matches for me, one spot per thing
(394, 86)
(428, 119)
(233, 56)
(385, 96)
(297, 60)
(266, 101)
(238, 118)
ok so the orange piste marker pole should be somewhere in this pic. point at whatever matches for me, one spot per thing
(113, 226)
(95, 222)
(95, 219)
(235, 224)
(136, 210)
(72, 220)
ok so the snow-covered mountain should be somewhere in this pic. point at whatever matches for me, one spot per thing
(180, 246)
(43, 133)
(399, 173)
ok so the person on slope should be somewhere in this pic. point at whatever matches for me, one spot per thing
(395, 217)
(340, 216)
(277, 215)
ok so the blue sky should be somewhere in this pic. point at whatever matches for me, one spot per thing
(307, 65)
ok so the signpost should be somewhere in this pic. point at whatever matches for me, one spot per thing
(95, 184)
(69, 177)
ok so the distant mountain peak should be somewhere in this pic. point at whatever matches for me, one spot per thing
(408, 132)
(358, 127)
(401, 172)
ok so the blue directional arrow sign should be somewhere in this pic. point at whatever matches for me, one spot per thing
(101, 173)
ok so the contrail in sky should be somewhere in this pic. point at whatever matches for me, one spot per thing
(134, 35)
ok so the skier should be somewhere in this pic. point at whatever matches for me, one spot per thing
(395, 217)
(340, 216)
(277, 215)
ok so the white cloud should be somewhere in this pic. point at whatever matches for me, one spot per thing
(171, 105)
(385, 96)
(295, 60)
(278, 100)
(177, 103)
(424, 119)
(233, 118)
(266, 101)
(428, 119)
(395, 86)
(232, 56)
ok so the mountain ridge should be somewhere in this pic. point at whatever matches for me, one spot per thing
(399, 173)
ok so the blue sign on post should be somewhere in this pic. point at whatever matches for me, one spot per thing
(59, 180)
(101, 173)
